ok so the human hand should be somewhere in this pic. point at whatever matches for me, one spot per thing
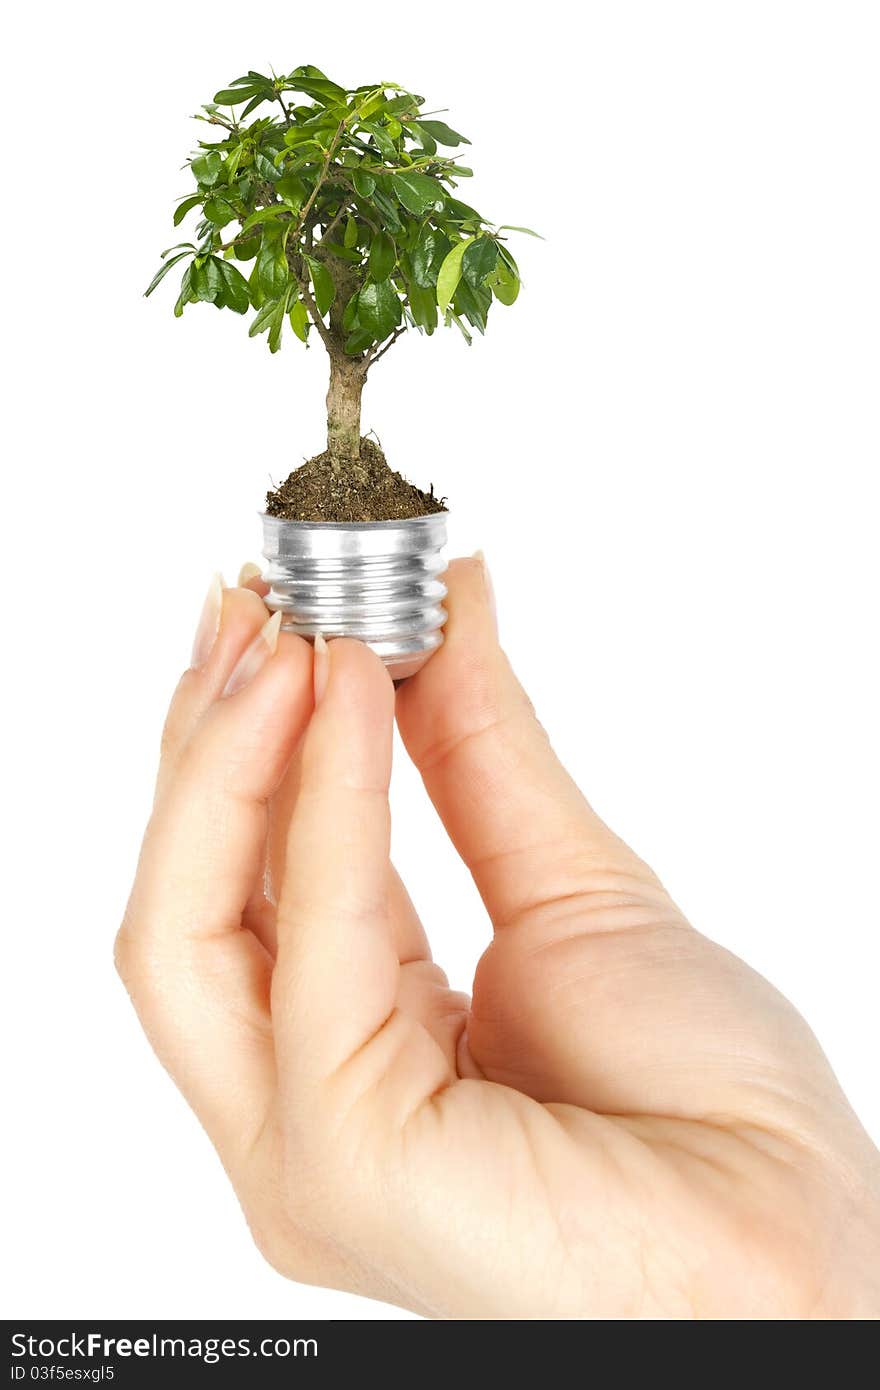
(627, 1122)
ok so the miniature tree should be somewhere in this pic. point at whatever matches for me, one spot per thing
(343, 203)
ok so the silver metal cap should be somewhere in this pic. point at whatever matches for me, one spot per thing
(378, 581)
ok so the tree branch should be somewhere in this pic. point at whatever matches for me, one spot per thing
(323, 331)
(341, 176)
(307, 206)
(331, 226)
(374, 356)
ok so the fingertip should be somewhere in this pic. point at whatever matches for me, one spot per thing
(274, 670)
(247, 738)
(356, 677)
(471, 596)
(250, 576)
(349, 739)
(234, 617)
(468, 679)
(470, 633)
(289, 670)
(242, 614)
(248, 572)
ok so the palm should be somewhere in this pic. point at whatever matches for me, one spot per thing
(563, 1190)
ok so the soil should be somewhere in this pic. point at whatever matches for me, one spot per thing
(368, 490)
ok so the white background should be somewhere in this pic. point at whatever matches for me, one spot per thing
(690, 381)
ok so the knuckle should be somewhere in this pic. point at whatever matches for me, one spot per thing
(294, 1233)
(168, 739)
(134, 964)
(123, 951)
(277, 1241)
(177, 719)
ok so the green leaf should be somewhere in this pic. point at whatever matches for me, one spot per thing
(265, 168)
(479, 261)
(235, 290)
(461, 212)
(383, 256)
(450, 274)
(186, 206)
(358, 341)
(262, 318)
(528, 231)
(218, 211)
(336, 248)
(379, 308)
(272, 263)
(350, 316)
(298, 136)
(473, 303)
(387, 210)
(364, 183)
(178, 246)
(299, 320)
(313, 82)
(372, 103)
(428, 255)
(233, 96)
(504, 255)
(417, 192)
(254, 103)
(423, 137)
(247, 249)
(410, 234)
(275, 326)
(163, 271)
(292, 190)
(405, 102)
(207, 168)
(443, 134)
(351, 233)
(504, 282)
(263, 215)
(205, 280)
(383, 142)
(322, 284)
(257, 296)
(185, 295)
(232, 163)
(423, 306)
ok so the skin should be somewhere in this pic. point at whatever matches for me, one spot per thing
(625, 1122)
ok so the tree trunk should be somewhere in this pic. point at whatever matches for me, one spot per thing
(344, 412)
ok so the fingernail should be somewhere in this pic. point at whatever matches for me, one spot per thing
(209, 623)
(254, 657)
(490, 587)
(248, 572)
(321, 669)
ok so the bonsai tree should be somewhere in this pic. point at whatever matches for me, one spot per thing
(341, 206)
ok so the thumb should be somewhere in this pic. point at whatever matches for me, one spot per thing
(595, 990)
(519, 822)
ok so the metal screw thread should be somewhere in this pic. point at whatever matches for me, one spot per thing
(376, 581)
